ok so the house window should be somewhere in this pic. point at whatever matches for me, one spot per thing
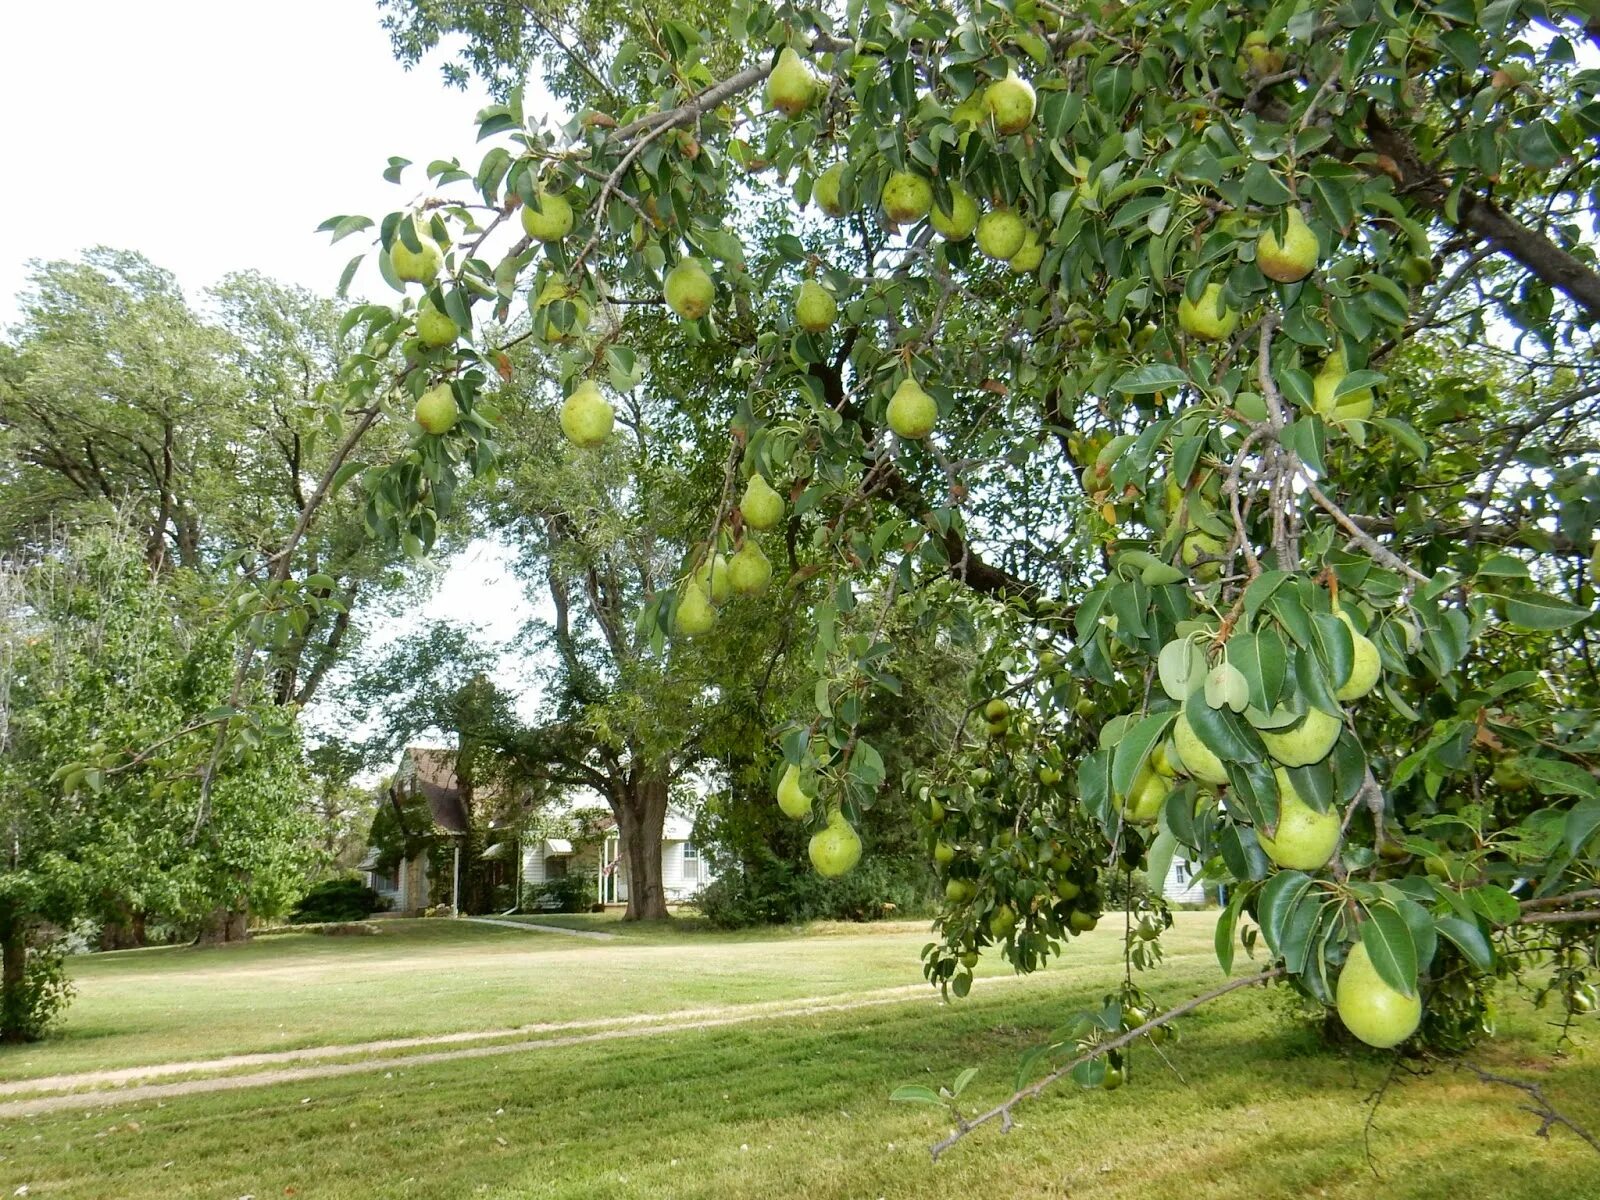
(385, 881)
(691, 852)
(1180, 872)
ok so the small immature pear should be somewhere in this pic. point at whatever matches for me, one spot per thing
(837, 848)
(695, 615)
(436, 410)
(1366, 666)
(957, 224)
(1010, 102)
(791, 87)
(749, 570)
(912, 412)
(814, 307)
(1210, 318)
(586, 416)
(1001, 233)
(434, 328)
(689, 290)
(1028, 257)
(1257, 57)
(712, 578)
(906, 197)
(825, 191)
(548, 218)
(792, 799)
(761, 506)
(1294, 257)
(416, 266)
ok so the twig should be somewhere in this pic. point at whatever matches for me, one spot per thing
(1002, 1111)
(1358, 535)
(1541, 1107)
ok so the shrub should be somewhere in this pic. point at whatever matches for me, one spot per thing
(778, 891)
(30, 1010)
(569, 894)
(336, 900)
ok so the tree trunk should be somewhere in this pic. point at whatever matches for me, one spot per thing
(13, 972)
(224, 925)
(123, 928)
(640, 807)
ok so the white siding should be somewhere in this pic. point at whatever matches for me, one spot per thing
(533, 863)
(1179, 886)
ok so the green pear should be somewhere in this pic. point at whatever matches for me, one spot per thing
(1001, 922)
(906, 197)
(1257, 57)
(971, 112)
(826, 191)
(436, 410)
(1029, 255)
(1372, 1010)
(749, 571)
(557, 291)
(416, 266)
(1366, 667)
(1010, 102)
(1209, 318)
(1309, 741)
(791, 87)
(586, 416)
(912, 412)
(1145, 798)
(792, 799)
(957, 224)
(1304, 839)
(1001, 233)
(1352, 406)
(944, 853)
(1194, 756)
(835, 849)
(814, 307)
(689, 290)
(1294, 257)
(761, 506)
(712, 577)
(434, 328)
(548, 218)
(695, 615)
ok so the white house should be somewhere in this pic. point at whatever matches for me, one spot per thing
(684, 870)
(1179, 887)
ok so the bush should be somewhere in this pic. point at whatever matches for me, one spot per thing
(778, 891)
(336, 900)
(569, 894)
(32, 1009)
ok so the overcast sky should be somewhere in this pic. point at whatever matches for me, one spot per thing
(213, 136)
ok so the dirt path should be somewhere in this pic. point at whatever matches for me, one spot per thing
(111, 1087)
(593, 935)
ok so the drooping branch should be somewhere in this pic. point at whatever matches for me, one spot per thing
(1541, 1107)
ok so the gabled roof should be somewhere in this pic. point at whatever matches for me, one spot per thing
(432, 773)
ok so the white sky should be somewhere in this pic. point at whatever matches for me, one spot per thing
(213, 136)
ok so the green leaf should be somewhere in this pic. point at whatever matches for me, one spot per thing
(1226, 923)
(1557, 777)
(1387, 938)
(1469, 939)
(1534, 610)
(1134, 748)
(1582, 821)
(916, 1093)
(1495, 904)
(1152, 377)
(1278, 899)
(1504, 566)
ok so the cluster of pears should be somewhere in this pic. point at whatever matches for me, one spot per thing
(717, 578)
(836, 847)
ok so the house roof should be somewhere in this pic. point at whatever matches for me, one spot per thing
(432, 772)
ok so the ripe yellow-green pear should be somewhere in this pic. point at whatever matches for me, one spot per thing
(761, 506)
(1002, 921)
(1209, 318)
(689, 290)
(416, 266)
(814, 307)
(749, 571)
(944, 853)
(835, 849)
(712, 578)
(1305, 743)
(1161, 760)
(1305, 838)
(1366, 667)
(1145, 798)
(1001, 233)
(548, 218)
(1082, 922)
(1294, 257)
(434, 328)
(1198, 544)
(906, 197)
(436, 409)
(792, 799)
(1257, 57)
(971, 112)
(912, 412)
(791, 87)
(1352, 406)
(1028, 257)
(586, 416)
(1194, 755)
(556, 291)
(959, 891)
(825, 191)
(1010, 102)
(695, 614)
(957, 224)
(1371, 1009)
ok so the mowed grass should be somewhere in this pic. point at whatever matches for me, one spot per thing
(801, 1104)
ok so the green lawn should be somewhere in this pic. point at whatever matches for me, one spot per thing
(753, 1110)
